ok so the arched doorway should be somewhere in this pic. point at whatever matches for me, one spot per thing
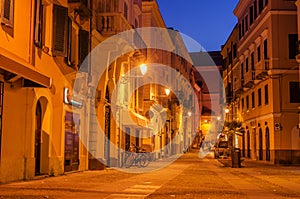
(248, 144)
(267, 144)
(107, 128)
(260, 144)
(41, 135)
(38, 134)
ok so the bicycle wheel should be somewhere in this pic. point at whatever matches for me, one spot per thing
(129, 159)
(144, 159)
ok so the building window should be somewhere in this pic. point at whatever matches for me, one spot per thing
(240, 31)
(71, 48)
(246, 23)
(255, 9)
(1, 112)
(247, 64)
(136, 24)
(293, 45)
(243, 27)
(259, 97)
(266, 49)
(7, 13)
(266, 94)
(38, 23)
(242, 70)
(258, 54)
(83, 49)
(60, 26)
(294, 92)
(125, 10)
(230, 57)
(253, 99)
(266, 2)
(251, 15)
(260, 5)
(243, 104)
(247, 102)
(234, 51)
(252, 61)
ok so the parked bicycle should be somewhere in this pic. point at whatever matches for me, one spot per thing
(136, 156)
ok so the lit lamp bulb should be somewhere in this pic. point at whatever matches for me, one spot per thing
(143, 69)
(189, 113)
(167, 91)
(227, 110)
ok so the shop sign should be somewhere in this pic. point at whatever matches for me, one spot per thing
(68, 99)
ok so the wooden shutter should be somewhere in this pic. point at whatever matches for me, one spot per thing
(7, 14)
(60, 26)
(83, 49)
(69, 43)
(38, 24)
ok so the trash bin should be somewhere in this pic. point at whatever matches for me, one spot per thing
(236, 158)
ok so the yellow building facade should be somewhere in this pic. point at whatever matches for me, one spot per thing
(39, 127)
(52, 103)
(265, 80)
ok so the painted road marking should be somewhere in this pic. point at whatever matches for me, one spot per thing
(136, 191)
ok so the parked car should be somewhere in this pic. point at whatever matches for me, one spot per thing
(221, 149)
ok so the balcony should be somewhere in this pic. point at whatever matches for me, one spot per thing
(249, 79)
(82, 8)
(109, 24)
(262, 72)
(238, 84)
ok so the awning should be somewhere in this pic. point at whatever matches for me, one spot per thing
(130, 118)
(18, 68)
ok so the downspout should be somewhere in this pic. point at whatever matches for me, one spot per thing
(25, 135)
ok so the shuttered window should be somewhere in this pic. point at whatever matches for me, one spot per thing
(38, 23)
(83, 49)
(60, 25)
(7, 13)
(294, 92)
(293, 45)
(71, 45)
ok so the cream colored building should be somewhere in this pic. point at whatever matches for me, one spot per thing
(266, 85)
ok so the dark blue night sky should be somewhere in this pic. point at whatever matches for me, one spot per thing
(209, 22)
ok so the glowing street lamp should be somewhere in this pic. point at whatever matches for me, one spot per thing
(167, 91)
(143, 68)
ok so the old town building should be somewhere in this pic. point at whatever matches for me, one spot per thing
(262, 79)
(59, 114)
(42, 46)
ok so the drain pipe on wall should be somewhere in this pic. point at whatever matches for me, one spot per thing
(25, 134)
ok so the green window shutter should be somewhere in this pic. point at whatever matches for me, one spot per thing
(60, 26)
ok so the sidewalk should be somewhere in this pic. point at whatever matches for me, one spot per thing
(188, 177)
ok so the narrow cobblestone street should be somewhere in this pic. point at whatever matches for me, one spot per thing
(188, 177)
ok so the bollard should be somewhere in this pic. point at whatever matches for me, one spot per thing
(236, 158)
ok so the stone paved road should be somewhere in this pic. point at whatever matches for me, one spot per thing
(188, 177)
